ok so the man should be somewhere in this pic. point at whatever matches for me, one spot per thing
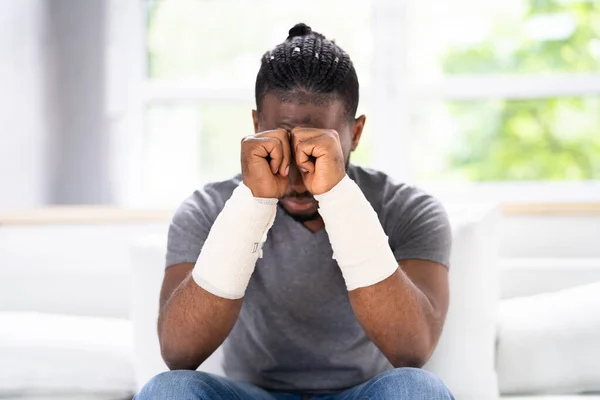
(324, 280)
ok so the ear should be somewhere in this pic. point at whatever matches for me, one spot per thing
(357, 130)
(255, 120)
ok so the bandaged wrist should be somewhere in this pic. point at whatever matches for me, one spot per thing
(360, 246)
(234, 243)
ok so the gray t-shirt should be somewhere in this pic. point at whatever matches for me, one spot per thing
(296, 331)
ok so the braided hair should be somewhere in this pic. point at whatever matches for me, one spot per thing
(308, 68)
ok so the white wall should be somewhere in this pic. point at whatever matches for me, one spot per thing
(23, 113)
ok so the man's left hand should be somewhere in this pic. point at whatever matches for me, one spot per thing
(319, 156)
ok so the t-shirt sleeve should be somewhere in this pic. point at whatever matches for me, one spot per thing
(190, 226)
(417, 226)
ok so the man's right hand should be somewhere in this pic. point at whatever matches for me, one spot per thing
(266, 161)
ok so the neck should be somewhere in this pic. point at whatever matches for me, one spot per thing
(314, 225)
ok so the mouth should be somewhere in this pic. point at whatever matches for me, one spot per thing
(298, 203)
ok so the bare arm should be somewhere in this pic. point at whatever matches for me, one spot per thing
(404, 314)
(192, 322)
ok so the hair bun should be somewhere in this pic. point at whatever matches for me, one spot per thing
(300, 29)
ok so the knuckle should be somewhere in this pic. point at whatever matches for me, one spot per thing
(274, 143)
(273, 133)
(282, 132)
(248, 140)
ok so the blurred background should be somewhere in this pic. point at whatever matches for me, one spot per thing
(139, 102)
(113, 111)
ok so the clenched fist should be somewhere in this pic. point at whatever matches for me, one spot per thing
(319, 156)
(266, 161)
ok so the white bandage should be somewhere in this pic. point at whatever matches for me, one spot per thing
(360, 246)
(234, 243)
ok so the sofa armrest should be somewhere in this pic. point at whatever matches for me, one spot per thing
(464, 357)
(148, 263)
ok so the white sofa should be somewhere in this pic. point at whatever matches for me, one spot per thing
(548, 329)
(465, 355)
(472, 350)
(68, 297)
(65, 331)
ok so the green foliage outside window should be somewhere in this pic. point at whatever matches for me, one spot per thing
(497, 140)
(537, 139)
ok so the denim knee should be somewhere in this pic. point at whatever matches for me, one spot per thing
(180, 384)
(410, 384)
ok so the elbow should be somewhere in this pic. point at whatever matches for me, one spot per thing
(404, 361)
(414, 356)
(174, 365)
(174, 353)
(176, 359)
(176, 356)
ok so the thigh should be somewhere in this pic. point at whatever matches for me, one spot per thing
(400, 384)
(197, 385)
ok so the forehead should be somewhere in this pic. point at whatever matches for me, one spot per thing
(289, 113)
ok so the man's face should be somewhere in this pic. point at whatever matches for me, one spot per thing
(275, 114)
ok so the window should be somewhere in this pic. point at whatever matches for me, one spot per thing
(518, 90)
(455, 91)
(203, 56)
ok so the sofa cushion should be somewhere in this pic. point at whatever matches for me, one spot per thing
(59, 354)
(548, 343)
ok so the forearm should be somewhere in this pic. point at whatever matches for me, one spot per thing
(396, 315)
(199, 314)
(399, 319)
(193, 323)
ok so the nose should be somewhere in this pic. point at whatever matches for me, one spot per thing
(295, 179)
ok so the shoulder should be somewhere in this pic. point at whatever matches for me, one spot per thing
(399, 205)
(207, 203)
(193, 220)
(370, 181)
(384, 193)
(415, 222)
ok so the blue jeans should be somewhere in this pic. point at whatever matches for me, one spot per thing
(399, 383)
